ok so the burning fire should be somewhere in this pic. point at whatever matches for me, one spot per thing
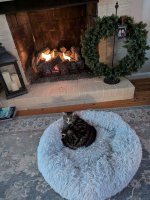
(66, 57)
(47, 57)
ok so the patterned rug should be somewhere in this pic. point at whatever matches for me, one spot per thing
(19, 176)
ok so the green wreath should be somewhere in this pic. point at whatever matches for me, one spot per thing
(135, 43)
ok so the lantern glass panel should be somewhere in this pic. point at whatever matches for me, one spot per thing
(10, 77)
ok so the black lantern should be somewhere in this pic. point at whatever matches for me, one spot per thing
(10, 75)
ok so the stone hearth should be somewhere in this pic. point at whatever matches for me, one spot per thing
(72, 92)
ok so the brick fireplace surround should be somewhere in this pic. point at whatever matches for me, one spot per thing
(61, 93)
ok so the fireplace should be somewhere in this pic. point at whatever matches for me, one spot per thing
(37, 31)
(49, 63)
(47, 37)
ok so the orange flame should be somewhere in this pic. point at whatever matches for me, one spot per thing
(47, 57)
(66, 57)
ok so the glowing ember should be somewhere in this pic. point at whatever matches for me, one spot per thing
(56, 68)
(47, 57)
(66, 57)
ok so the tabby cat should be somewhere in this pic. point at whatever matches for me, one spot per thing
(76, 132)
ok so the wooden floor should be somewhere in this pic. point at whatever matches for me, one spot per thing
(142, 97)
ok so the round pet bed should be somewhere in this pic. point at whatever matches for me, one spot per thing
(98, 171)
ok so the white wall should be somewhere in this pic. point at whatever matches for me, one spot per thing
(7, 41)
(139, 9)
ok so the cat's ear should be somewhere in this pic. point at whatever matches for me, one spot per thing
(65, 114)
(74, 114)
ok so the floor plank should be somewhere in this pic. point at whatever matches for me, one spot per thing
(142, 97)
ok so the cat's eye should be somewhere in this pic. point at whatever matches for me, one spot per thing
(63, 135)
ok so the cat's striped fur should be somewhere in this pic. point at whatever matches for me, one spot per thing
(76, 132)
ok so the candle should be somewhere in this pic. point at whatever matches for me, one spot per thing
(14, 86)
(15, 78)
(7, 79)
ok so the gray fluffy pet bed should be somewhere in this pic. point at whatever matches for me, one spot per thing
(96, 172)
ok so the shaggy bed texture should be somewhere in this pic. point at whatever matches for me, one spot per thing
(19, 176)
(96, 172)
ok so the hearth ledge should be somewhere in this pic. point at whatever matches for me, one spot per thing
(72, 92)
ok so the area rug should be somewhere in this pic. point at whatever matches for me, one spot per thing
(19, 176)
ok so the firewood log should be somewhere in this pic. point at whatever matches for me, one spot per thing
(45, 51)
(54, 62)
(75, 55)
(54, 53)
(43, 67)
(64, 67)
(73, 68)
(80, 65)
(48, 66)
(63, 49)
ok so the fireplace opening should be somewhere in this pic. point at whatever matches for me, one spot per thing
(49, 63)
(48, 41)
